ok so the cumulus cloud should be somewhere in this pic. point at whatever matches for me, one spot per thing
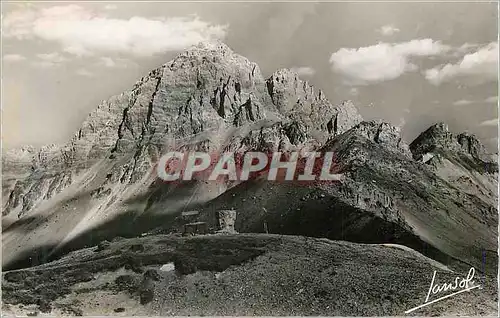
(12, 58)
(304, 71)
(383, 61)
(481, 64)
(388, 30)
(492, 122)
(82, 32)
(84, 72)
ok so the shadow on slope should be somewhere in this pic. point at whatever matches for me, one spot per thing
(140, 214)
(298, 210)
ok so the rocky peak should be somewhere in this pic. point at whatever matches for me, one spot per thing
(289, 93)
(436, 135)
(382, 133)
(298, 100)
(439, 138)
(210, 45)
(205, 87)
(212, 51)
(216, 57)
(471, 144)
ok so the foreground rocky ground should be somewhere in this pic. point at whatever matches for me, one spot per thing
(242, 274)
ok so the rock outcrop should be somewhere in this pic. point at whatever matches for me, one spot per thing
(384, 134)
(298, 100)
(438, 138)
(460, 159)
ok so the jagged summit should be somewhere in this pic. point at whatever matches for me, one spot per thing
(438, 138)
(382, 133)
(216, 56)
(298, 99)
(472, 145)
(211, 45)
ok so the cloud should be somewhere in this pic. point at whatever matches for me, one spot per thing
(113, 62)
(52, 57)
(466, 48)
(383, 61)
(84, 72)
(44, 64)
(481, 64)
(12, 58)
(304, 71)
(402, 122)
(463, 102)
(492, 122)
(80, 31)
(108, 62)
(388, 30)
(110, 7)
(492, 99)
(354, 91)
(48, 60)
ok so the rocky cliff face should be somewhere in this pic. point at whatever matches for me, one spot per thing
(460, 159)
(297, 99)
(438, 138)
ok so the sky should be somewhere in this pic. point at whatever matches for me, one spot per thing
(411, 64)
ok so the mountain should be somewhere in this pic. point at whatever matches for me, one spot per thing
(459, 159)
(436, 196)
(207, 98)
